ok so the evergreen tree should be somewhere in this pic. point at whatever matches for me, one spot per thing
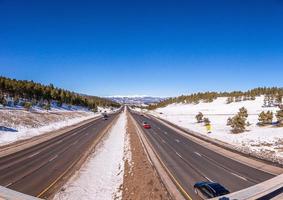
(279, 116)
(229, 121)
(238, 124)
(262, 118)
(199, 117)
(27, 106)
(243, 112)
(229, 100)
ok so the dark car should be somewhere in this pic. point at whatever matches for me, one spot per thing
(207, 190)
(105, 117)
(146, 125)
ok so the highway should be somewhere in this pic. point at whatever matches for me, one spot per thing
(35, 169)
(190, 162)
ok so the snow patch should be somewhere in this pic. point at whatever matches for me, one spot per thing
(101, 177)
(256, 138)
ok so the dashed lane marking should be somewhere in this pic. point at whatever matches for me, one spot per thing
(243, 178)
(198, 154)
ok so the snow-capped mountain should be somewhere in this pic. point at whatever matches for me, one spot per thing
(135, 99)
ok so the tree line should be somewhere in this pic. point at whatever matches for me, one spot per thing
(235, 96)
(39, 94)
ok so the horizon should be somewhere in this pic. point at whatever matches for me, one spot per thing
(157, 49)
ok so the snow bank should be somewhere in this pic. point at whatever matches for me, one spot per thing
(268, 139)
(9, 135)
(101, 177)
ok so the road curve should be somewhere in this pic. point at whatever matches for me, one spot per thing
(190, 162)
(34, 169)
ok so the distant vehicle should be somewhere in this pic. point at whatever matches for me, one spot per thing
(105, 116)
(207, 190)
(146, 125)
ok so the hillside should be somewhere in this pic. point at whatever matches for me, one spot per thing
(266, 140)
(28, 93)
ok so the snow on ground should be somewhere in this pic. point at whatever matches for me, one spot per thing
(101, 177)
(17, 124)
(267, 139)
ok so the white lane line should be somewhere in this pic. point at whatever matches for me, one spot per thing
(165, 132)
(8, 184)
(178, 141)
(163, 141)
(75, 142)
(198, 154)
(34, 154)
(208, 179)
(243, 178)
(59, 141)
(179, 155)
(53, 158)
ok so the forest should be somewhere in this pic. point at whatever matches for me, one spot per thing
(31, 93)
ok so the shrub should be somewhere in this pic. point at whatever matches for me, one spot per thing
(27, 106)
(199, 117)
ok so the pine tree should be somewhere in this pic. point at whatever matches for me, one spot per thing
(262, 118)
(238, 124)
(229, 121)
(27, 106)
(243, 112)
(279, 116)
(229, 100)
(269, 117)
(199, 117)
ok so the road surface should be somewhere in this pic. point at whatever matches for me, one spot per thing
(34, 169)
(190, 162)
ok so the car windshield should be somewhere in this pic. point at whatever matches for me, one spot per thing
(218, 189)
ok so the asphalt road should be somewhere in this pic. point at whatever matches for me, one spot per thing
(34, 169)
(190, 162)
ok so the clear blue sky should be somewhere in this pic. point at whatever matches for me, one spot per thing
(159, 48)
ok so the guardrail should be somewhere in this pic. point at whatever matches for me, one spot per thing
(8, 194)
(270, 189)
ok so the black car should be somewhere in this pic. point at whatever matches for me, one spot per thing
(105, 117)
(207, 190)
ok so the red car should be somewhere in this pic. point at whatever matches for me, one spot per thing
(146, 125)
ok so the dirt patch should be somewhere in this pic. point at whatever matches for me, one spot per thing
(141, 181)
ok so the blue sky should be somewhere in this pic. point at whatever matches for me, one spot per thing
(159, 48)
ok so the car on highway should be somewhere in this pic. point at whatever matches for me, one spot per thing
(146, 125)
(105, 117)
(207, 190)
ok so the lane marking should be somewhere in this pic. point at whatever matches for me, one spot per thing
(243, 178)
(54, 157)
(178, 141)
(198, 154)
(8, 184)
(165, 132)
(208, 179)
(178, 155)
(75, 142)
(59, 141)
(163, 141)
(30, 156)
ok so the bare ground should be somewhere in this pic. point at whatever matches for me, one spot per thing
(141, 181)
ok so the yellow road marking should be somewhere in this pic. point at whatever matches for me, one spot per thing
(181, 189)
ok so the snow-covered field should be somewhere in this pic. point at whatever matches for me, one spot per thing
(101, 177)
(264, 139)
(17, 124)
